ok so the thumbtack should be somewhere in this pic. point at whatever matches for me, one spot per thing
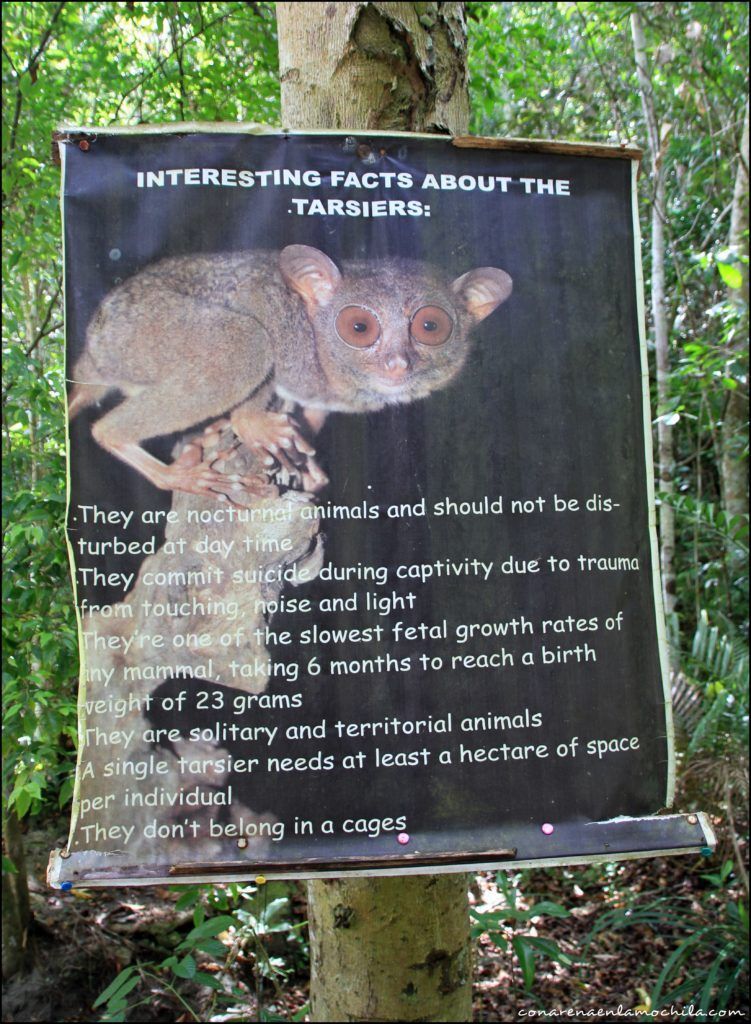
(706, 851)
(692, 819)
(402, 838)
(66, 886)
(242, 842)
(260, 880)
(547, 829)
(84, 145)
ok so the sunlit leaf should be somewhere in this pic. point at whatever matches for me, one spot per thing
(730, 274)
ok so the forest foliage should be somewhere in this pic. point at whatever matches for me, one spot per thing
(550, 70)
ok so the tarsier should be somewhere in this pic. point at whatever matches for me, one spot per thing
(197, 337)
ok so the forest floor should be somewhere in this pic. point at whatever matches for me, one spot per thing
(623, 922)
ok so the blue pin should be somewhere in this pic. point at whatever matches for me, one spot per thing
(706, 851)
(66, 886)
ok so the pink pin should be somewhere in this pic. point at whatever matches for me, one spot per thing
(548, 829)
(402, 838)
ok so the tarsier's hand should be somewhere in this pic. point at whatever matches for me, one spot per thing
(191, 473)
(278, 440)
(204, 460)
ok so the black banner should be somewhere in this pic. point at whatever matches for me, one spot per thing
(359, 506)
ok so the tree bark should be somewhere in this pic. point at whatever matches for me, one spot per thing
(382, 948)
(733, 466)
(391, 949)
(665, 455)
(16, 908)
(387, 66)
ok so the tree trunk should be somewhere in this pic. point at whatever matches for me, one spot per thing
(382, 948)
(665, 456)
(16, 909)
(390, 949)
(387, 66)
(734, 468)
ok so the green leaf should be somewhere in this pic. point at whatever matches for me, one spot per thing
(549, 909)
(20, 800)
(731, 274)
(526, 959)
(675, 958)
(112, 988)
(743, 914)
(209, 929)
(274, 909)
(116, 1016)
(550, 949)
(66, 791)
(9, 868)
(121, 993)
(207, 979)
(186, 968)
(188, 899)
(213, 947)
(705, 999)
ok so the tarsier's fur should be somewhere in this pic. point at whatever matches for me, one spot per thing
(197, 337)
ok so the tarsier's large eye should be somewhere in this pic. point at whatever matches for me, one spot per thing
(431, 325)
(358, 326)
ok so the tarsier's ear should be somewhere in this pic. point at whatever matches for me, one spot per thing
(482, 290)
(310, 273)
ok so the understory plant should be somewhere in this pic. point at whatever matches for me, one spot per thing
(512, 928)
(707, 965)
(206, 972)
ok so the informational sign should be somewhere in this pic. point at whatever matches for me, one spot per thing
(359, 507)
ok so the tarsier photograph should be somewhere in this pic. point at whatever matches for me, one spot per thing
(197, 337)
